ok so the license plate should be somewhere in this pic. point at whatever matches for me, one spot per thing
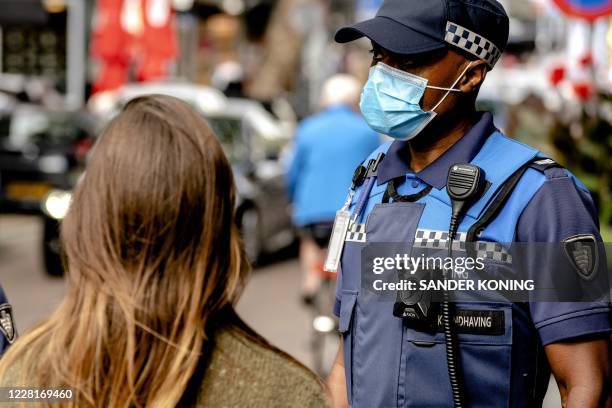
(27, 190)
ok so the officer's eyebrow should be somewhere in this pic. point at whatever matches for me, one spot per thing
(426, 58)
(407, 60)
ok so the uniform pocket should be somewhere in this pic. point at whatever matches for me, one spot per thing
(345, 326)
(485, 360)
(347, 304)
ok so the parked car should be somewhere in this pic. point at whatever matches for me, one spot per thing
(41, 150)
(252, 139)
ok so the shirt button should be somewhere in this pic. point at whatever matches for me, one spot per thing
(415, 184)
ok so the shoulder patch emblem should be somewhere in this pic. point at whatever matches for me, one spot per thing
(7, 325)
(582, 252)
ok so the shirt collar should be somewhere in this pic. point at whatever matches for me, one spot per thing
(397, 160)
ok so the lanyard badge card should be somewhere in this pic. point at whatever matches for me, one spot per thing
(343, 219)
(336, 242)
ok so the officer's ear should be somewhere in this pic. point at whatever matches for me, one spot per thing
(474, 76)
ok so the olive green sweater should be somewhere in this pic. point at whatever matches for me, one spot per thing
(243, 373)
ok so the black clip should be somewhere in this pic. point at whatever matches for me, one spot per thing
(363, 172)
(373, 165)
(359, 176)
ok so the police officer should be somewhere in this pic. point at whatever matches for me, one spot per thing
(429, 60)
(7, 325)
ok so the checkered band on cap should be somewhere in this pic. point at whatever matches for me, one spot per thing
(471, 42)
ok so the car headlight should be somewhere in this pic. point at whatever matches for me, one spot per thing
(56, 204)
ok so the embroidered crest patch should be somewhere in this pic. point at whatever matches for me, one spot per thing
(7, 325)
(582, 252)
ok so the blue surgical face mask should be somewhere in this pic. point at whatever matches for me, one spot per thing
(390, 101)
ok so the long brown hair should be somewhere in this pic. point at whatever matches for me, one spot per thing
(152, 256)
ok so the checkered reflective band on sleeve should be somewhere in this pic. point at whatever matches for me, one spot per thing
(471, 42)
(433, 239)
(356, 233)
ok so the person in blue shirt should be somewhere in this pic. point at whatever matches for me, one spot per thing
(7, 325)
(327, 148)
(483, 349)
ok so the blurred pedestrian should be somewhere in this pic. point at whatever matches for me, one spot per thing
(228, 77)
(7, 324)
(154, 266)
(327, 148)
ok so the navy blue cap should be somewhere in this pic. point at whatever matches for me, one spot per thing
(479, 27)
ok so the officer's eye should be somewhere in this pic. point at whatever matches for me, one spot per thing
(407, 62)
(376, 55)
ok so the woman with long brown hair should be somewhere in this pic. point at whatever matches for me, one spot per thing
(154, 264)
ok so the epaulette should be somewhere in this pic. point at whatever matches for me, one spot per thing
(549, 167)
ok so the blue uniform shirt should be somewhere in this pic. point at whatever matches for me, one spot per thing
(388, 364)
(328, 146)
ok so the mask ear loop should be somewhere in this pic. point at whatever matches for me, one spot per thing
(451, 89)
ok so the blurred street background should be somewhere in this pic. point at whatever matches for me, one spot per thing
(254, 69)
